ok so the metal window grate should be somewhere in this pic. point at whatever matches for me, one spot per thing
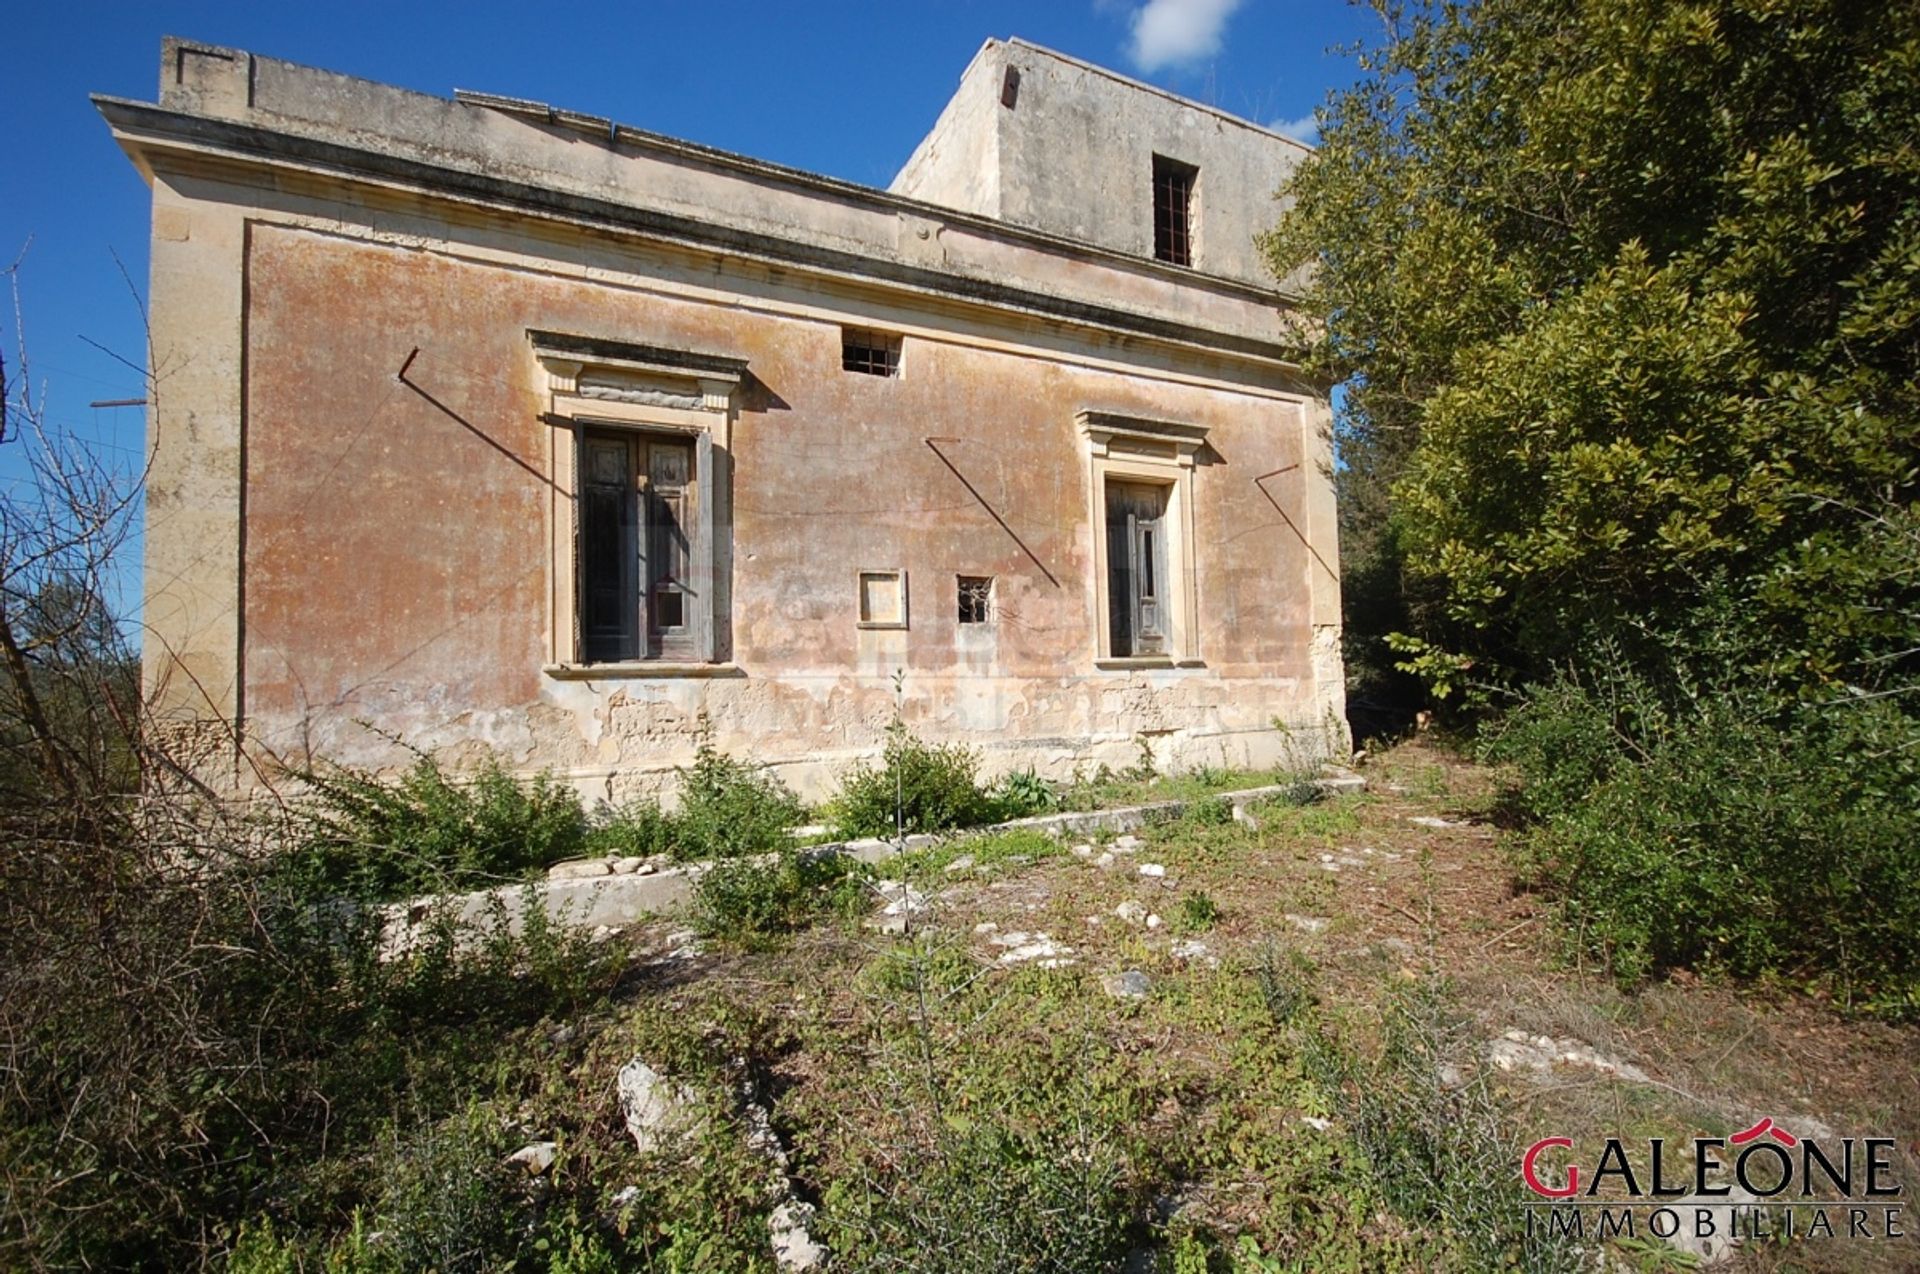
(1173, 184)
(976, 599)
(869, 352)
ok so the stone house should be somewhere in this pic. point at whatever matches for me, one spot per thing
(489, 426)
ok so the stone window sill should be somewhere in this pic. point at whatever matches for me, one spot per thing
(1137, 662)
(639, 670)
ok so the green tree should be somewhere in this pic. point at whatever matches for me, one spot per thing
(1625, 296)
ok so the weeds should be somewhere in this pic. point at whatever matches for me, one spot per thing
(729, 808)
(1424, 1118)
(917, 787)
(429, 832)
(1198, 912)
(749, 900)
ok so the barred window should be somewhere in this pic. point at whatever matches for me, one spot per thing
(1173, 184)
(872, 353)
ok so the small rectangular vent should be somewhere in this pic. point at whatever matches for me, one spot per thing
(869, 352)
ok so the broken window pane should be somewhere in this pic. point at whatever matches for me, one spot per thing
(976, 599)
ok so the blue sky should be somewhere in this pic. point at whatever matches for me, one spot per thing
(836, 88)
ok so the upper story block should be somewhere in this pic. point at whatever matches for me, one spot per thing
(1038, 139)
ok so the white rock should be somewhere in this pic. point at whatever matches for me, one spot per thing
(1035, 948)
(655, 1107)
(1716, 1247)
(1083, 850)
(1126, 844)
(1152, 869)
(1193, 949)
(1428, 820)
(1316, 1123)
(1131, 985)
(1539, 1054)
(579, 869)
(1134, 913)
(986, 926)
(1105, 860)
(1154, 922)
(1308, 924)
(962, 863)
(793, 1247)
(536, 1157)
(627, 866)
(900, 896)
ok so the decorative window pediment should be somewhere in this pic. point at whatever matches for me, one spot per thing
(602, 370)
(1112, 434)
(642, 507)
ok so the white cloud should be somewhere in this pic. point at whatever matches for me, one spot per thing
(1305, 129)
(1178, 32)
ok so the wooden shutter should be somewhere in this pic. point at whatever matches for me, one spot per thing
(701, 551)
(608, 548)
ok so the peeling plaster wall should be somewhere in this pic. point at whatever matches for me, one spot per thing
(396, 548)
(337, 557)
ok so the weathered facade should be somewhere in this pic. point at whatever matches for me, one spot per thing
(488, 426)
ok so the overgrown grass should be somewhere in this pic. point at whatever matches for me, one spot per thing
(221, 1047)
(1014, 846)
(1422, 1115)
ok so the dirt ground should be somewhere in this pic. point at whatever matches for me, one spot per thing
(1014, 968)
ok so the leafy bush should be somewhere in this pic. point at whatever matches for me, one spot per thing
(638, 829)
(445, 1199)
(729, 808)
(434, 831)
(1715, 835)
(1022, 794)
(429, 831)
(754, 898)
(932, 788)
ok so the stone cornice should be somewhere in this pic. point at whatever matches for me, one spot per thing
(147, 132)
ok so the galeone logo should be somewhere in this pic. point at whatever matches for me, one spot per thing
(1760, 1182)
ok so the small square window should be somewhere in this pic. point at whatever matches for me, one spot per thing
(869, 352)
(883, 599)
(976, 599)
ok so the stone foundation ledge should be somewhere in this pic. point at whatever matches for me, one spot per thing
(614, 892)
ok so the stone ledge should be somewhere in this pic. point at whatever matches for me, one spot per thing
(615, 900)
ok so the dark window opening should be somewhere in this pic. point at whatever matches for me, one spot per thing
(976, 599)
(869, 352)
(635, 552)
(1173, 184)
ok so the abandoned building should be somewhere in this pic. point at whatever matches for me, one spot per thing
(496, 428)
